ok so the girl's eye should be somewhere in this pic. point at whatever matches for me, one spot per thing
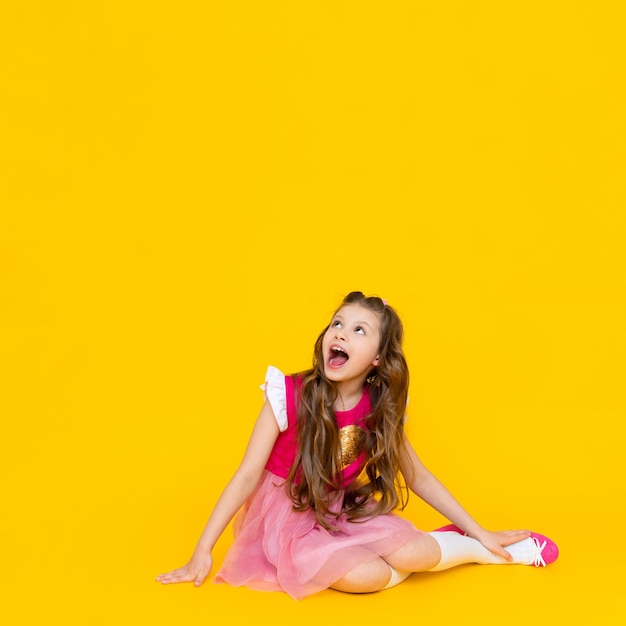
(360, 330)
(336, 324)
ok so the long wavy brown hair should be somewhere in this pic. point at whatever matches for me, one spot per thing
(316, 470)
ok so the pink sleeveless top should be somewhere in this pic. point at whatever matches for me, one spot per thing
(352, 434)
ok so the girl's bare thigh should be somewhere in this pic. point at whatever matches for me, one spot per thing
(365, 578)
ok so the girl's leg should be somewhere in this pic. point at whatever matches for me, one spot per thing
(437, 551)
(368, 577)
(441, 550)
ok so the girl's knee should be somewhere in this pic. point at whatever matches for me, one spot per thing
(418, 555)
(365, 578)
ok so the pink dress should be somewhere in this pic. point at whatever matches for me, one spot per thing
(279, 549)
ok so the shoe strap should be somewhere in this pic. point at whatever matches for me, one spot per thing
(538, 558)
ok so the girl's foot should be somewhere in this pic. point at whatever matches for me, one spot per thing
(544, 549)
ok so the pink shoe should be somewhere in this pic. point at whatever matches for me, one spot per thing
(450, 528)
(546, 551)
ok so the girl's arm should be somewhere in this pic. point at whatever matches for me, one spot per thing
(236, 492)
(425, 485)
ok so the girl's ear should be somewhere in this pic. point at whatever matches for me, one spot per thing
(376, 361)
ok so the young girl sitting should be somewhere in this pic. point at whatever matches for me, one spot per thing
(327, 463)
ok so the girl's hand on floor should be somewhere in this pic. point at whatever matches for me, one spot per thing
(497, 541)
(195, 571)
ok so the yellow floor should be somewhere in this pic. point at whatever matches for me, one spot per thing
(186, 191)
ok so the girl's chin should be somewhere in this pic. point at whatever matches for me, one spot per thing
(333, 372)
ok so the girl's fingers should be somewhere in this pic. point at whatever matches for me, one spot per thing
(513, 536)
(173, 577)
(497, 548)
(505, 555)
(195, 571)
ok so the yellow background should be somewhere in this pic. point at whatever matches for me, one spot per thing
(188, 189)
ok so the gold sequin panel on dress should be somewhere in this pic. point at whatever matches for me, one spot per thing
(352, 442)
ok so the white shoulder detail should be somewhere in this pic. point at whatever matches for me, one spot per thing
(276, 392)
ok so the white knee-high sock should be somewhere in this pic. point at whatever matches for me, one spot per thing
(397, 576)
(458, 549)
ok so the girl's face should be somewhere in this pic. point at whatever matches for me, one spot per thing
(351, 343)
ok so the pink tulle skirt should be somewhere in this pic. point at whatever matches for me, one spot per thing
(279, 549)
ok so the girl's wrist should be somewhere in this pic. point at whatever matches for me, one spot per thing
(475, 531)
(203, 549)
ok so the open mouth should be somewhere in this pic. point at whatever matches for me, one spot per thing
(338, 357)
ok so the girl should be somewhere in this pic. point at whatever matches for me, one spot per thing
(327, 463)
